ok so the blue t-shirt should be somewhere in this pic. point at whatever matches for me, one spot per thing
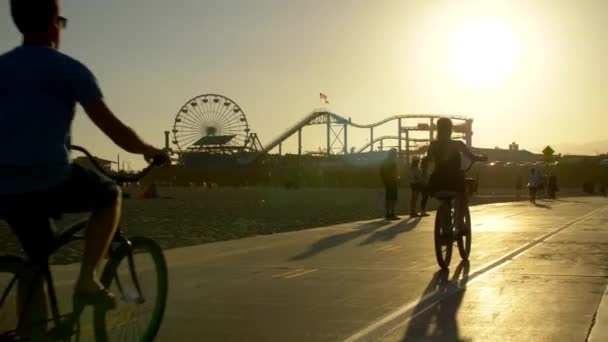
(39, 88)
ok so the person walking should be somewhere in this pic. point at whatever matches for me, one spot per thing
(553, 188)
(416, 187)
(39, 91)
(389, 172)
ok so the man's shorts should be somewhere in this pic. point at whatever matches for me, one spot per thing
(30, 214)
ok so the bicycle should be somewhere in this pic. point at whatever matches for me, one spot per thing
(120, 274)
(446, 225)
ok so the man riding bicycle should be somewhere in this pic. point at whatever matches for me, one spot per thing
(447, 174)
(39, 89)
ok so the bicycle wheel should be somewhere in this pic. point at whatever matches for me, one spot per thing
(13, 270)
(464, 236)
(443, 235)
(137, 276)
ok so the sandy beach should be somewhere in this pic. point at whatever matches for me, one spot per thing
(191, 216)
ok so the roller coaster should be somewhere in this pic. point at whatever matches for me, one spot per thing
(337, 131)
(213, 123)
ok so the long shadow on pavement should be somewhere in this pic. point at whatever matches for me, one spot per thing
(392, 232)
(438, 322)
(338, 239)
(544, 206)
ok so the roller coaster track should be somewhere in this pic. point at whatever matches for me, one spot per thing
(386, 137)
(394, 137)
(321, 117)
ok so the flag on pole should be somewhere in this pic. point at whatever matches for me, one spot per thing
(323, 98)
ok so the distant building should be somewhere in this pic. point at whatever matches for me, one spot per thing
(513, 154)
(513, 147)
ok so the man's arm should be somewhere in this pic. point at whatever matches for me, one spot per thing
(85, 90)
(118, 132)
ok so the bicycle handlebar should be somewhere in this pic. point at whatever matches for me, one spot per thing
(470, 166)
(115, 177)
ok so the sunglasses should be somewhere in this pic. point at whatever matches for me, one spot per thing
(62, 22)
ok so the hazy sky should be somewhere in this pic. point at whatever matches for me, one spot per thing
(535, 72)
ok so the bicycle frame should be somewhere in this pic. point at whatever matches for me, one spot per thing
(451, 200)
(41, 272)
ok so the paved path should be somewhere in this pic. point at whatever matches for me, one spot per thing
(536, 274)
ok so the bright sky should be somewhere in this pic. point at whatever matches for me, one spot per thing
(534, 72)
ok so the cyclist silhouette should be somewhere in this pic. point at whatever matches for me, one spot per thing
(447, 173)
(38, 93)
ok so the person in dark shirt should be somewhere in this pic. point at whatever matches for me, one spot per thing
(389, 172)
(553, 188)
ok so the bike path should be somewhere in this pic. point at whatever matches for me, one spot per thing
(536, 273)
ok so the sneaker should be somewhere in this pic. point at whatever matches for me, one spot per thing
(394, 217)
(413, 215)
(423, 214)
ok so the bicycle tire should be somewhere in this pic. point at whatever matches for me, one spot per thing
(10, 269)
(113, 276)
(465, 237)
(443, 235)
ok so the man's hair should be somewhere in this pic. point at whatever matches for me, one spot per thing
(32, 16)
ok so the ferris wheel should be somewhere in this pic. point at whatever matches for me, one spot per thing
(210, 122)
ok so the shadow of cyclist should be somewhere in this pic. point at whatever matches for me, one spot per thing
(439, 321)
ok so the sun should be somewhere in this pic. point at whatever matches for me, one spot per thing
(483, 52)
